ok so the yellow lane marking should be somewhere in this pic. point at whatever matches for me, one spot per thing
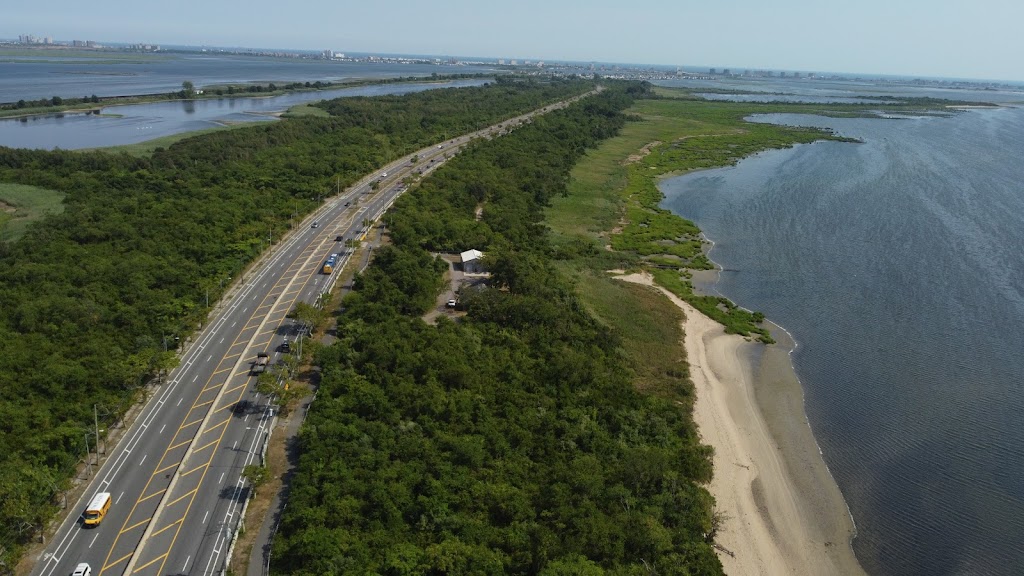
(206, 468)
(134, 526)
(180, 444)
(175, 501)
(242, 385)
(200, 467)
(192, 423)
(200, 449)
(165, 469)
(118, 561)
(201, 405)
(165, 528)
(153, 561)
(217, 426)
(157, 493)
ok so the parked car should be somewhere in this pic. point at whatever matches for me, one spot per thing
(451, 303)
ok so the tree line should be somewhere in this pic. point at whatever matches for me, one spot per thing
(94, 301)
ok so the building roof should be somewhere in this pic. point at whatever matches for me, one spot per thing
(470, 255)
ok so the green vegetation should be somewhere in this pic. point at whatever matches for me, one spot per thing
(305, 110)
(91, 298)
(92, 104)
(22, 205)
(613, 202)
(512, 441)
(149, 147)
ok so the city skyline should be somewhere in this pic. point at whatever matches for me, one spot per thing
(940, 39)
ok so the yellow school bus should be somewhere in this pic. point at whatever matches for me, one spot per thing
(97, 509)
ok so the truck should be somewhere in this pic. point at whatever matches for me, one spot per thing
(260, 365)
(329, 265)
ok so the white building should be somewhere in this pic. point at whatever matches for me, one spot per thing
(471, 263)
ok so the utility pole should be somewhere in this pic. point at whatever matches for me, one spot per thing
(96, 421)
(88, 462)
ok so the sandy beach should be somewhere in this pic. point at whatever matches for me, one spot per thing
(784, 513)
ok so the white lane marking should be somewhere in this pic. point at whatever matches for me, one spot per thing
(221, 341)
(210, 357)
(204, 517)
(143, 459)
(179, 401)
(235, 445)
(233, 323)
(118, 497)
(93, 540)
(162, 429)
(196, 378)
(186, 562)
(246, 419)
(221, 478)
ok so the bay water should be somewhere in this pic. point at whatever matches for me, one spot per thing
(897, 264)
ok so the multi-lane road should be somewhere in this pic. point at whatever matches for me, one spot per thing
(176, 476)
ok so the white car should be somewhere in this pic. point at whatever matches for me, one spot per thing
(451, 303)
(82, 569)
(383, 174)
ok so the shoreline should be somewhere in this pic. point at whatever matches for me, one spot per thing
(783, 511)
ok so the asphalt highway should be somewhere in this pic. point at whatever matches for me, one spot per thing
(175, 476)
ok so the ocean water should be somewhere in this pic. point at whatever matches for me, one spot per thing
(898, 266)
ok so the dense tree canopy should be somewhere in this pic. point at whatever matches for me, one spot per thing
(511, 441)
(90, 299)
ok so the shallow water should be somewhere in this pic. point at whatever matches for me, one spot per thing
(140, 122)
(896, 264)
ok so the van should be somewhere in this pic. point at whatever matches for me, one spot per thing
(97, 509)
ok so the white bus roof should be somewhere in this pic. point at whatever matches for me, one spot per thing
(98, 500)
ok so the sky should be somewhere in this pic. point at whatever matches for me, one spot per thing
(930, 38)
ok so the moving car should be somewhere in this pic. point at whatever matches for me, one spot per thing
(315, 225)
(83, 569)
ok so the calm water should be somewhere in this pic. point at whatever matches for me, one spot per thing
(897, 265)
(75, 78)
(821, 90)
(141, 122)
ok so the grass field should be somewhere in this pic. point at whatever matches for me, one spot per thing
(149, 146)
(22, 205)
(306, 110)
(613, 207)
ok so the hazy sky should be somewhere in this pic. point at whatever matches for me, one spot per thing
(947, 38)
